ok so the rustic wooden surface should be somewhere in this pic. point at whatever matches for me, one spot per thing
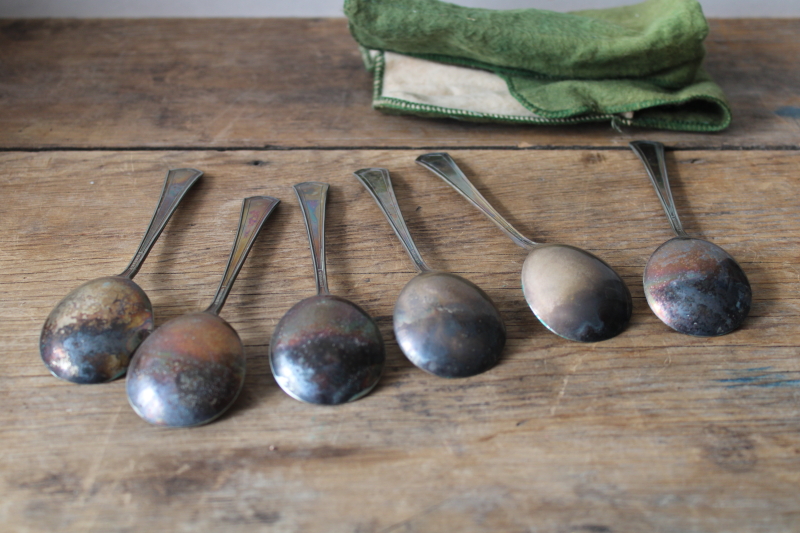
(301, 83)
(651, 431)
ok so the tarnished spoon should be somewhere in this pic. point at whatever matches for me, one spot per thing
(692, 285)
(191, 369)
(443, 323)
(91, 334)
(572, 292)
(325, 349)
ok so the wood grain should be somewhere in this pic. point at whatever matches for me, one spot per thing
(279, 84)
(650, 431)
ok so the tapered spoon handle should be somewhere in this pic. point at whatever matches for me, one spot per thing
(651, 153)
(176, 185)
(379, 185)
(313, 197)
(255, 211)
(441, 164)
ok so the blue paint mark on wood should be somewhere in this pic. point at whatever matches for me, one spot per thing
(759, 377)
(788, 111)
(766, 382)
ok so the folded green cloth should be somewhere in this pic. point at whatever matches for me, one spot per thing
(636, 65)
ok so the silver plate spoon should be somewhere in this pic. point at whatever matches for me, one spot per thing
(692, 285)
(91, 334)
(443, 323)
(573, 293)
(191, 369)
(325, 349)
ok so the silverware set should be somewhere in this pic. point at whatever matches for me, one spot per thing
(328, 350)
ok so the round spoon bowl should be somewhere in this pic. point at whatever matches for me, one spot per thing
(572, 292)
(188, 372)
(696, 287)
(90, 335)
(575, 294)
(326, 350)
(448, 326)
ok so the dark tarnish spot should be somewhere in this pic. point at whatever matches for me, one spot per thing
(457, 343)
(327, 350)
(96, 343)
(188, 372)
(731, 450)
(448, 326)
(788, 112)
(604, 313)
(336, 378)
(696, 288)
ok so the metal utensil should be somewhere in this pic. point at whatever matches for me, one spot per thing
(443, 323)
(91, 334)
(573, 293)
(692, 285)
(325, 349)
(191, 369)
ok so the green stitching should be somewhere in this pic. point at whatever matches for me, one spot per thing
(381, 102)
(569, 116)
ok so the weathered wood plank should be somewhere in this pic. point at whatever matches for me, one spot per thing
(650, 431)
(300, 83)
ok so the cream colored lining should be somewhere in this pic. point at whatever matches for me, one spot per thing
(429, 83)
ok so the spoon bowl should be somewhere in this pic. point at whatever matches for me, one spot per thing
(325, 350)
(444, 324)
(575, 294)
(191, 369)
(448, 326)
(90, 335)
(188, 372)
(694, 286)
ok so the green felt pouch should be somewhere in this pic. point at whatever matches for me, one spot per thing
(637, 65)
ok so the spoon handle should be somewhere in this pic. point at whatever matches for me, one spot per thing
(255, 211)
(313, 197)
(178, 182)
(441, 164)
(379, 185)
(651, 153)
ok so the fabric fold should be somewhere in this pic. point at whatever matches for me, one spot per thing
(638, 65)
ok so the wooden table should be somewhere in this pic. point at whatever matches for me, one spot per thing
(651, 431)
